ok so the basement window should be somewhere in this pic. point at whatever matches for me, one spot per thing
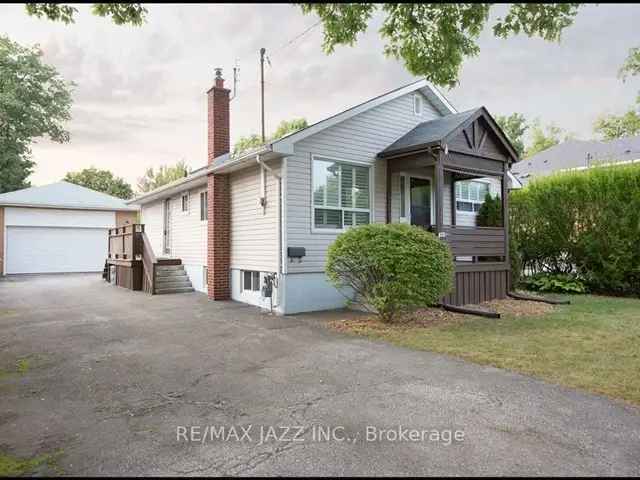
(250, 280)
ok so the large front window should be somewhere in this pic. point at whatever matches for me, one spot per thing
(470, 195)
(341, 194)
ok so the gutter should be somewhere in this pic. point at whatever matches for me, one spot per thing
(132, 208)
(158, 192)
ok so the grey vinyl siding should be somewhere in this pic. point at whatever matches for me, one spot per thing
(358, 139)
(254, 230)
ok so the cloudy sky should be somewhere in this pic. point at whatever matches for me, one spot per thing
(140, 94)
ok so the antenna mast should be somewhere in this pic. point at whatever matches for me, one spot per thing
(262, 52)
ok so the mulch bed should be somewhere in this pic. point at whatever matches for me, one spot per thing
(434, 317)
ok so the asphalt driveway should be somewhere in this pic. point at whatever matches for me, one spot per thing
(113, 381)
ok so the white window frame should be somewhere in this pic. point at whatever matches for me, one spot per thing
(204, 193)
(474, 202)
(251, 288)
(407, 197)
(182, 203)
(370, 210)
(418, 104)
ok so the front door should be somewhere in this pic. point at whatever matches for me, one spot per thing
(420, 197)
(167, 227)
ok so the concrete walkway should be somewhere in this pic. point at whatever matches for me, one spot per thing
(112, 379)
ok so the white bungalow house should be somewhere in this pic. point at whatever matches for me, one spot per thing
(267, 217)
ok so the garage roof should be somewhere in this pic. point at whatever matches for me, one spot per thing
(64, 195)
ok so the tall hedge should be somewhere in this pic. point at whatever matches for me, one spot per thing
(584, 222)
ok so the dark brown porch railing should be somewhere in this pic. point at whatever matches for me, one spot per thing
(475, 241)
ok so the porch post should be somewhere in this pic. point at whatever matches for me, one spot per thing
(453, 199)
(505, 221)
(388, 168)
(439, 190)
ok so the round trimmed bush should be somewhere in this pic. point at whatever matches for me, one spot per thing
(391, 267)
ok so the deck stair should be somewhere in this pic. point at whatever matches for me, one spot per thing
(172, 279)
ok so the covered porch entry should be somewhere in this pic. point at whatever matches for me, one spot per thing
(438, 176)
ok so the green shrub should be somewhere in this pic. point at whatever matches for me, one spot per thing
(391, 268)
(583, 222)
(490, 213)
(554, 283)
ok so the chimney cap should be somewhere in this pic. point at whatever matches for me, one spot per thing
(219, 81)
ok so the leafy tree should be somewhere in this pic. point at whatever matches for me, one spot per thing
(610, 127)
(434, 38)
(120, 13)
(102, 181)
(35, 101)
(544, 138)
(631, 66)
(165, 174)
(284, 128)
(514, 126)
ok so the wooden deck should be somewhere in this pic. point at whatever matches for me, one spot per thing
(135, 263)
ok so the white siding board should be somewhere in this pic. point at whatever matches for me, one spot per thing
(188, 232)
(358, 139)
(254, 230)
(151, 217)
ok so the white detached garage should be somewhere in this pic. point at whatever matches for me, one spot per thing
(58, 228)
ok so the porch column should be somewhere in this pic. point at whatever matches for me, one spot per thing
(505, 219)
(388, 169)
(439, 191)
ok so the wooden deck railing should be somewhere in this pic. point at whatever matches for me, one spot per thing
(475, 241)
(149, 263)
(125, 243)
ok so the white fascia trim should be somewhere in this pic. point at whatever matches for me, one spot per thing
(195, 180)
(285, 144)
(440, 96)
(133, 208)
(515, 181)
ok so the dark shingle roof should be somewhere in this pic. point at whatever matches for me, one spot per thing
(578, 154)
(429, 132)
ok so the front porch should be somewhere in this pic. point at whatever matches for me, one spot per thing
(437, 177)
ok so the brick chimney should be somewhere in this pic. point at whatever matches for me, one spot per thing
(218, 118)
(218, 194)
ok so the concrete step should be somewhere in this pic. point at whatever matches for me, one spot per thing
(172, 278)
(168, 268)
(170, 273)
(179, 284)
(161, 291)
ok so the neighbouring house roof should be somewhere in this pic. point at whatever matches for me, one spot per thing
(439, 131)
(63, 195)
(578, 154)
(284, 146)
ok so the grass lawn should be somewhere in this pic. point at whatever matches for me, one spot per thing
(593, 344)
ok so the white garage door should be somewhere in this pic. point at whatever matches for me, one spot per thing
(53, 249)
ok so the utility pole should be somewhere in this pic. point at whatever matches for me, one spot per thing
(262, 52)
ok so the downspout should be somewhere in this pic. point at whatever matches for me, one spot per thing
(280, 257)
